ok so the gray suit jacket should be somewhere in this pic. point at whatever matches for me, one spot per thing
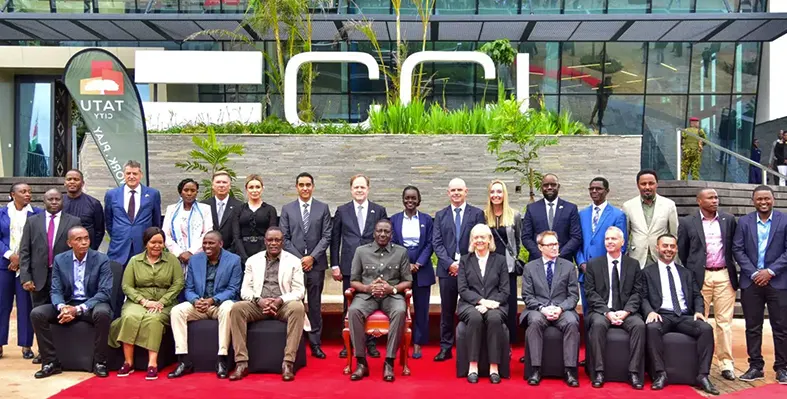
(316, 241)
(537, 294)
(34, 248)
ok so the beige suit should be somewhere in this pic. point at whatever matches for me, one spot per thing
(642, 237)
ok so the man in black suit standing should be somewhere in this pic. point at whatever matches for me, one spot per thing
(451, 240)
(612, 286)
(353, 226)
(553, 214)
(223, 207)
(705, 248)
(671, 301)
(306, 225)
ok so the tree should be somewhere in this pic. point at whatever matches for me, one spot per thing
(212, 156)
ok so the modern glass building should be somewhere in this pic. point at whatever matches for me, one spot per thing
(623, 67)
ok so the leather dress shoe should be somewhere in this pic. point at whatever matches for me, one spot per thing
(287, 371)
(472, 378)
(241, 370)
(100, 370)
(343, 353)
(182, 369)
(571, 379)
(535, 377)
(222, 371)
(522, 359)
(703, 382)
(444, 355)
(1, 352)
(361, 371)
(27, 353)
(388, 373)
(598, 381)
(728, 375)
(635, 381)
(37, 359)
(371, 350)
(659, 382)
(317, 352)
(49, 370)
(494, 378)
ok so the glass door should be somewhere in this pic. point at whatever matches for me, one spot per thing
(34, 126)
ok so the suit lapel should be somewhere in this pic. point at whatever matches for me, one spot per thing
(542, 274)
(476, 268)
(601, 218)
(464, 222)
(61, 227)
(657, 280)
(608, 288)
(558, 206)
(368, 220)
(282, 272)
(775, 222)
(723, 229)
(88, 269)
(684, 286)
(697, 219)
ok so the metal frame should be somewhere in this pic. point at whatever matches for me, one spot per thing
(22, 79)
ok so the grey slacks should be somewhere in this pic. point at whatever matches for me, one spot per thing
(392, 305)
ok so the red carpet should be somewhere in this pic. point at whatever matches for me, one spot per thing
(324, 379)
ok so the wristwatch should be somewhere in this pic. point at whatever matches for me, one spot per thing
(394, 290)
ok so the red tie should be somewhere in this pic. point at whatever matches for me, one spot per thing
(50, 238)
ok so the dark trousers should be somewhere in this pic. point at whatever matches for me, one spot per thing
(100, 317)
(489, 324)
(315, 280)
(568, 323)
(449, 293)
(511, 319)
(346, 285)
(597, 342)
(754, 299)
(41, 295)
(11, 287)
(421, 317)
(685, 324)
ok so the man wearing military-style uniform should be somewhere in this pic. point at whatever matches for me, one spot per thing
(691, 150)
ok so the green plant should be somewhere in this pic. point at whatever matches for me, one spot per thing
(500, 51)
(209, 157)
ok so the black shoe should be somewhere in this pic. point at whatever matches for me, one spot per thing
(360, 372)
(37, 359)
(535, 378)
(100, 370)
(343, 353)
(182, 369)
(222, 372)
(371, 350)
(388, 373)
(635, 381)
(472, 378)
(1, 352)
(494, 378)
(444, 355)
(781, 376)
(728, 375)
(598, 382)
(27, 353)
(318, 353)
(49, 370)
(659, 382)
(522, 359)
(582, 362)
(571, 379)
(752, 374)
(703, 382)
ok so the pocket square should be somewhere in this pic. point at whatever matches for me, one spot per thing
(147, 195)
(560, 207)
(423, 226)
(372, 211)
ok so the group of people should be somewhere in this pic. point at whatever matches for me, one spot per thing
(634, 267)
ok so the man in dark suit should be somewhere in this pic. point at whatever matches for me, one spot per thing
(128, 211)
(613, 284)
(81, 288)
(551, 292)
(451, 240)
(705, 248)
(671, 302)
(760, 248)
(223, 206)
(306, 224)
(353, 226)
(553, 214)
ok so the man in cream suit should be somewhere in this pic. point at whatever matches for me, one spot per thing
(648, 216)
(272, 288)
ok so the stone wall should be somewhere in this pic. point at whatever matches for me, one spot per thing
(391, 161)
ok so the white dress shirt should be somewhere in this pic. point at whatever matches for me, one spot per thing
(610, 265)
(554, 264)
(57, 222)
(137, 198)
(411, 230)
(482, 262)
(600, 209)
(300, 206)
(461, 208)
(666, 295)
(219, 204)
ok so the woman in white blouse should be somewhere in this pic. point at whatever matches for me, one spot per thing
(186, 222)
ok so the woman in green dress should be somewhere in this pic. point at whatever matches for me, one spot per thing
(151, 282)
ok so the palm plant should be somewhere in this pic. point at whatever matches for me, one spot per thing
(212, 156)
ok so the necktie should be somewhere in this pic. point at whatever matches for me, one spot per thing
(551, 215)
(132, 206)
(615, 286)
(549, 273)
(361, 222)
(221, 212)
(50, 238)
(674, 293)
(457, 226)
(596, 214)
(305, 218)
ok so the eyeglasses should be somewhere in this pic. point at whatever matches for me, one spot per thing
(550, 245)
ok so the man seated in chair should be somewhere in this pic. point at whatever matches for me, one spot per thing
(671, 301)
(612, 285)
(81, 288)
(380, 275)
(551, 291)
(212, 284)
(272, 289)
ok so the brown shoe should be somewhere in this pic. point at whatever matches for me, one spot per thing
(241, 370)
(388, 373)
(360, 372)
(287, 371)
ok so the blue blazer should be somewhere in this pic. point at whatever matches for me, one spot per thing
(444, 236)
(5, 233)
(125, 236)
(97, 282)
(566, 225)
(226, 285)
(744, 249)
(425, 276)
(593, 243)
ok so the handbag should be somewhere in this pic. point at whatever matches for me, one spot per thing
(519, 264)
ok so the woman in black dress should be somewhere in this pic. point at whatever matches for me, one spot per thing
(253, 220)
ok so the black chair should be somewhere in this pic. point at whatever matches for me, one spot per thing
(265, 341)
(680, 359)
(552, 355)
(166, 354)
(616, 358)
(462, 354)
(204, 346)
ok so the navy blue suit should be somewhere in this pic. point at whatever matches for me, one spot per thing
(444, 244)
(226, 285)
(754, 298)
(566, 225)
(424, 278)
(10, 286)
(125, 235)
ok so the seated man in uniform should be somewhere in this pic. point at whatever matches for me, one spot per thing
(380, 274)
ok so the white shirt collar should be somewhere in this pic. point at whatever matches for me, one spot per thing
(415, 217)
(619, 259)
(545, 260)
(664, 265)
(224, 201)
(460, 207)
(127, 189)
(300, 202)
(57, 215)
(12, 208)
(364, 204)
(600, 207)
(74, 255)
(484, 258)
(552, 202)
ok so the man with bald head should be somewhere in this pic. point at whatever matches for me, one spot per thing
(705, 248)
(81, 288)
(451, 240)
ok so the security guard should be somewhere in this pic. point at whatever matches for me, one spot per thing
(691, 150)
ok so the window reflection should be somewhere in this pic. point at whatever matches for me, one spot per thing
(671, 6)
(711, 70)
(585, 6)
(582, 66)
(747, 67)
(717, 6)
(33, 129)
(542, 6)
(628, 6)
(663, 116)
(668, 68)
(625, 65)
(497, 7)
(623, 115)
(544, 64)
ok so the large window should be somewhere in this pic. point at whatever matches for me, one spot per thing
(34, 127)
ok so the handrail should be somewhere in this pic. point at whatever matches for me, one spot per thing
(765, 169)
(5, 5)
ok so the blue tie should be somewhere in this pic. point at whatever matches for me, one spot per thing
(549, 273)
(458, 227)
